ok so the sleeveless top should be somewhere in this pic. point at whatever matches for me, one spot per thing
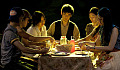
(57, 34)
(117, 45)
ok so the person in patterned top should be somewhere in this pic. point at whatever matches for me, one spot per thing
(93, 18)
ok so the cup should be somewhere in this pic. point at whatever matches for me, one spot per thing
(63, 40)
(49, 45)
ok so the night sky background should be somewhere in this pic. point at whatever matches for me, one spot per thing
(52, 10)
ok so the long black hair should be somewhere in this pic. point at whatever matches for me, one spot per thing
(108, 24)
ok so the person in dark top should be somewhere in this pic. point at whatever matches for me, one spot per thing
(11, 46)
(64, 27)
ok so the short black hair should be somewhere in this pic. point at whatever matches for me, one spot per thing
(67, 8)
(26, 14)
(37, 17)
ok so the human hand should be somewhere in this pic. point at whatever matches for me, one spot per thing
(91, 43)
(44, 50)
(57, 41)
(35, 47)
(77, 41)
(82, 45)
(19, 29)
(41, 44)
(87, 47)
(52, 40)
(38, 47)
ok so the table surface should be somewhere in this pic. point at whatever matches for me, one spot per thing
(70, 62)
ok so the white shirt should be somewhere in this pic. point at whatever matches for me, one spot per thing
(33, 30)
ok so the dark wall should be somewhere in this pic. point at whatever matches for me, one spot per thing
(52, 9)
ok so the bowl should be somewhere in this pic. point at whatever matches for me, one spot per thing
(64, 48)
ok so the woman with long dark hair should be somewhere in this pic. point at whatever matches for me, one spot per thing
(110, 42)
(107, 24)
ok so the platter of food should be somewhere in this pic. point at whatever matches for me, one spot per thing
(61, 54)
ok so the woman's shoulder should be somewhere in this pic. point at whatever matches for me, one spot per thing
(31, 28)
(114, 26)
(115, 29)
(44, 27)
(89, 25)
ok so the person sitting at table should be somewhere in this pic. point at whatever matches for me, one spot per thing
(11, 46)
(24, 23)
(110, 42)
(26, 19)
(92, 28)
(21, 32)
(93, 17)
(64, 27)
(37, 29)
(31, 40)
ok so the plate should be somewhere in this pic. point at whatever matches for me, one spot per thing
(81, 53)
(61, 54)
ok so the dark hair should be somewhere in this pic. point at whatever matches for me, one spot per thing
(37, 17)
(67, 8)
(94, 10)
(15, 17)
(26, 14)
(108, 25)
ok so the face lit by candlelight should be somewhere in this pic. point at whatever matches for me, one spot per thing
(66, 16)
(21, 21)
(42, 22)
(25, 22)
(93, 17)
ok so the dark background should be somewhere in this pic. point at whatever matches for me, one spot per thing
(52, 10)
